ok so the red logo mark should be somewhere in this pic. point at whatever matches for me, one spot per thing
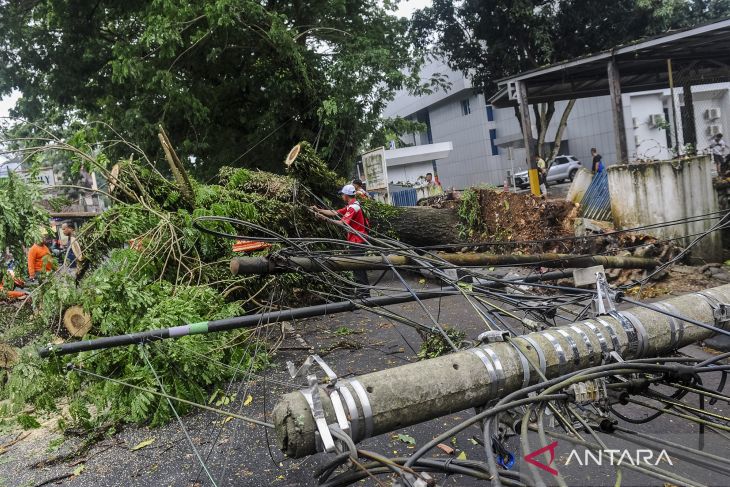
(530, 458)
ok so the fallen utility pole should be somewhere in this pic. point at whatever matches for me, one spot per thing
(384, 401)
(250, 321)
(275, 265)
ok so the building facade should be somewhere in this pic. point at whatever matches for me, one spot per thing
(487, 141)
(461, 116)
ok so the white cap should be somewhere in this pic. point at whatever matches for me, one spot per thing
(348, 189)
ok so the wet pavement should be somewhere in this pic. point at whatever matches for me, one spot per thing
(241, 454)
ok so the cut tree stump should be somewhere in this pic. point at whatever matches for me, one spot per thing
(77, 321)
(292, 156)
(9, 356)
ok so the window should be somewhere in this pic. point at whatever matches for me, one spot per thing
(490, 113)
(560, 160)
(492, 141)
(465, 108)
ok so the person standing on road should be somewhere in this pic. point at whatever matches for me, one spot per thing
(597, 166)
(542, 175)
(352, 218)
(718, 147)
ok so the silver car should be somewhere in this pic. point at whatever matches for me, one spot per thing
(562, 168)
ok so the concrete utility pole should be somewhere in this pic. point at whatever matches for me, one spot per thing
(266, 265)
(384, 401)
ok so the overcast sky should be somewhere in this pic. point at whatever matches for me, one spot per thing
(405, 9)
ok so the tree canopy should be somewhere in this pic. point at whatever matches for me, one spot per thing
(233, 81)
(492, 39)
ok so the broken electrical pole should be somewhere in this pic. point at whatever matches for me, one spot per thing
(387, 400)
(273, 265)
(254, 320)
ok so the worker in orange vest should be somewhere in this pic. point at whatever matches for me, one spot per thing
(39, 258)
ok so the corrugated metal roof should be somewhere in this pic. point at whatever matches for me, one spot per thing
(703, 51)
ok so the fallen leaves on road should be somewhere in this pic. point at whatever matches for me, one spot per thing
(142, 444)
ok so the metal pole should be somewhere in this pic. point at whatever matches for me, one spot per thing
(267, 265)
(390, 399)
(250, 321)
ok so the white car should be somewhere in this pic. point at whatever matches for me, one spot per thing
(562, 168)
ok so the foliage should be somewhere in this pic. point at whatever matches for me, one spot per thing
(380, 215)
(147, 267)
(391, 130)
(22, 221)
(435, 345)
(122, 296)
(28, 422)
(470, 214)
(309, 167)
(233, 81)
(491, 41)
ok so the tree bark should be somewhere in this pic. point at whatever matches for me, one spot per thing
(561, 129)
(423, 226)
(547, 110)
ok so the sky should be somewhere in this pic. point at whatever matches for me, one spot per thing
(405, 9)
(7, 103)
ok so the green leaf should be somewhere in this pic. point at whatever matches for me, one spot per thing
(28, 422)
(407, 439)
(78, 470)
(142, 444)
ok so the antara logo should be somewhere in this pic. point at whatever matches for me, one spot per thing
(619, 457)
(530, 458)
(600, 457)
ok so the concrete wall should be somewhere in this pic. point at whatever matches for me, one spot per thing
(659, 192)
(645, 141)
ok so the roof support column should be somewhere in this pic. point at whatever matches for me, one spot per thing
(689, 126)
(527, 137)
(617, 109)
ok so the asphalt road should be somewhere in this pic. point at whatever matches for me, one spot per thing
(240, 454)
(554, 190)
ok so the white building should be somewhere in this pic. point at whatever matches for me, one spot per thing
(460, 116)
(487, 142)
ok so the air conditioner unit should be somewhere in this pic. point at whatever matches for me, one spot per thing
(637, 141)
(714, 129)
(656, 119)
(712, 113)
(635, 122)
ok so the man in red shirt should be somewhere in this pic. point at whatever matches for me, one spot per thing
(353, 218)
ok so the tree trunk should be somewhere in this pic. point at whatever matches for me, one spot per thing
(561, 129)
(423, 226)
(547, 110)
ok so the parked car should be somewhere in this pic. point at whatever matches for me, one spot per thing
(562, 168)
